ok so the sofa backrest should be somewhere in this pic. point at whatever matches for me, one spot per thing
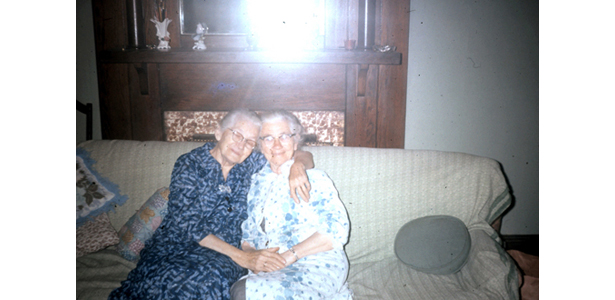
(382, 189)
(138, 168)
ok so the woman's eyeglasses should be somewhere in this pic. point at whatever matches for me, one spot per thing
(283, 138)
(238, 138)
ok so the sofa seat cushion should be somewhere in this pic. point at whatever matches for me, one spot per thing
(433, 244)
(100, 273)
(489, 274)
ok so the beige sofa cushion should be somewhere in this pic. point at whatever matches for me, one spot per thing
(383, 189)
(489, 274)
(138, 168)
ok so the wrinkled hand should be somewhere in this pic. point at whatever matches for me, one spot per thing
(266, 260)
(299, 183)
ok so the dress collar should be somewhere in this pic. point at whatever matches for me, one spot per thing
(285, 168)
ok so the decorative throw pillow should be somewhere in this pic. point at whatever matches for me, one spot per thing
(141, 226)
(434, 244)
(96, 234)
(95, 194)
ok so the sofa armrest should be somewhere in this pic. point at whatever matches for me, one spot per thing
(489, 267)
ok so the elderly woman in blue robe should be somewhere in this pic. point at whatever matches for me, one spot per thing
(195, 252)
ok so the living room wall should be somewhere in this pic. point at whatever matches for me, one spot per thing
(87, 85)
(472, 87)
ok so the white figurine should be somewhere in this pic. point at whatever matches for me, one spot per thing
(199, 37)
(161, 32)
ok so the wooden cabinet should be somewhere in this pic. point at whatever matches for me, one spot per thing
(137, 84)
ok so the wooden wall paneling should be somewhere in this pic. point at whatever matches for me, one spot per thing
(146, 115)
(114, 101)
(361, 105)
(110, 26)
(253, 86)
(351, 132)
(110, 29)
(393, 78)
(391, 109)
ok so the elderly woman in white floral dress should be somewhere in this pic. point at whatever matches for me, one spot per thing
(310, 237)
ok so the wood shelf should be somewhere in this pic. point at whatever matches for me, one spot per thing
(249, 57)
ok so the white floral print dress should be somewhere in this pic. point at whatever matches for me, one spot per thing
(275, 220)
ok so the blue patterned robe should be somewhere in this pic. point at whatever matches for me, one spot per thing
(173, 265)
(275, 220)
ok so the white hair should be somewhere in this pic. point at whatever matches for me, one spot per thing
(292, 120)
(235, 115)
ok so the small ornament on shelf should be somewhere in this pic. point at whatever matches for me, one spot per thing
(385, 48)
(161, 26)
(199, 37)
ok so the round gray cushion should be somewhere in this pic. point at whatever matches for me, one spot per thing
(433, 244)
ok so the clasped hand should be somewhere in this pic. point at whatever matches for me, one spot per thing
(266, 260)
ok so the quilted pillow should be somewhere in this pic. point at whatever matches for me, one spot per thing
(434, 244)
(141, 226)
(96, 234)
(95, 194)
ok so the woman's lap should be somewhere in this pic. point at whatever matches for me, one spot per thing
(181, 276)
(294, 281)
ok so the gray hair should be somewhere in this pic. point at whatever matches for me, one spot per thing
(236, 115)
(292, 120)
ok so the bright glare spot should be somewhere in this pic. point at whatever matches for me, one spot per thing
(286, 24)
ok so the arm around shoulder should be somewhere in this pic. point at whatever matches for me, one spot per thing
(298, 180)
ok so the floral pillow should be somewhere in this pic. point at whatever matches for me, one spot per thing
(141, 226)
(96, 234)
(95, 194)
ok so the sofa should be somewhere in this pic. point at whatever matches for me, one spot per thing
(383, 191)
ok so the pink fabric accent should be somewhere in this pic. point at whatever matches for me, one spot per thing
(96, 235)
